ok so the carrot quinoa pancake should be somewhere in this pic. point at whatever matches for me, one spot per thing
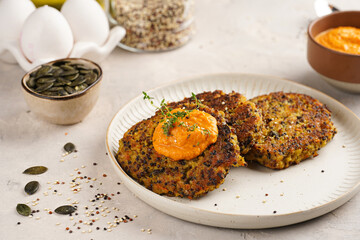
(187, 176)
(295, 127)
(240, 114)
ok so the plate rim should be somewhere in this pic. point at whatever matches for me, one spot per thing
(333, 204)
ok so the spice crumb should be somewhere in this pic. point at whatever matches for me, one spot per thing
(274, 212)
(18, 223)
(224, 189)
(237, 196)
(322, 171)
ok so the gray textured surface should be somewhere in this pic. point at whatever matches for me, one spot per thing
(264, 37)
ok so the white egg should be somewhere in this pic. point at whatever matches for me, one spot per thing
(87, 20)
(46, 35)
(12, 17)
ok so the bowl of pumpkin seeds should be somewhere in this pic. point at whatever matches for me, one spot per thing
(63, 91)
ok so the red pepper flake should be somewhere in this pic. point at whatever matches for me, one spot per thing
(63, 183)
(50, 212)
(67, 228)
(125, 221)
(78, 227)
(37, 199)
(109, 198)
(93, 220)
(79, 172)
(97, 212)
(81, 177)
(80, 221)
(112, 194)
(70, 231)
(57, 182)
(130, 219)
(266, 194)
(66, 134)
(104, 175)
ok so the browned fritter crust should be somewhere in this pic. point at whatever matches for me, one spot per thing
(185, 178)
(295, 127)
(241, 114)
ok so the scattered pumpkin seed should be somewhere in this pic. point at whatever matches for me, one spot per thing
(31, 187)
(69, 147)
(35, 170)
(51, 80)
(66, 209)
(23, 209)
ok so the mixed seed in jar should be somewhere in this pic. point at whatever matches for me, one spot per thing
(62, 78)
(154, 25)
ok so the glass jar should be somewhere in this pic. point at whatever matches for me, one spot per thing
(154, 25)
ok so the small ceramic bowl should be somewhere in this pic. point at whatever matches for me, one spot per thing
(340, 69)
(64, 110)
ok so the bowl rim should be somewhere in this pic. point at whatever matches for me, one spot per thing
(67, 97)
(311, 25)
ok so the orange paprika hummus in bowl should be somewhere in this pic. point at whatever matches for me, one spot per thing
(333, 49)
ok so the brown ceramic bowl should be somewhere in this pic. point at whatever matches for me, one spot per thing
(63, 110)
(340, 69)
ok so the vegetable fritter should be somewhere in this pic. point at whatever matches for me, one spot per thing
(185, 178)
(241, 114)
(295, 127)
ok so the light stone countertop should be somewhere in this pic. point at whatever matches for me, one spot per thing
(261, 37)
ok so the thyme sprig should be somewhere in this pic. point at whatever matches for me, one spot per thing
(170, 118)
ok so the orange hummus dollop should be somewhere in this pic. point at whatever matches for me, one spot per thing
(343, 39)
(188, 137)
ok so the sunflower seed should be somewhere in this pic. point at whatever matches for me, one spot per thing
(66, 209)
(23, 209)
(35, 170)
(31, 187)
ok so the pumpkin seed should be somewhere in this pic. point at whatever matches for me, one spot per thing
(35, 170)
(44, 87)
(31, 187)
(23, 209)
(55, 89)
(47, 93)
(62, 78)
(31, 82)
(70, 90)
(68, 73)
(66, 209)
(91, 78)
(81, 87)
(69, 147)
(43, 71)
(72, 77)
(62, 93)
(45, 80)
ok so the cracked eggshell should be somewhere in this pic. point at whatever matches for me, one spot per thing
(87, 20)
(46, 35)
(12, 17)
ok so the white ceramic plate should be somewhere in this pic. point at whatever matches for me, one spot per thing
(299, 193)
